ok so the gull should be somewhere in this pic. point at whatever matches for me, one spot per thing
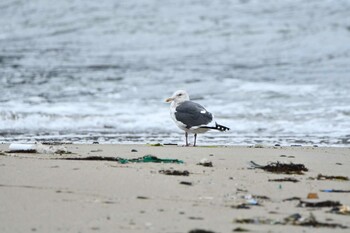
(190, 116)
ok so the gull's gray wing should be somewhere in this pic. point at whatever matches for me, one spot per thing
(192, 114)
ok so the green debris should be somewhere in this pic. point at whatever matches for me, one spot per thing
(156, 144)
(209, 146)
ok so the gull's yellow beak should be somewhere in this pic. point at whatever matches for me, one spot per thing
(168, 100)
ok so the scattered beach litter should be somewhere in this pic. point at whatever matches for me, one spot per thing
(144, 159)
(325, 177)
(343, 210)
(285, 168)
(205, 163)
(286, 179)
(335, 191)
(250, 200)
(175, 172)
(318, 204)
(312, 196)
(294, 219)
(38, 148)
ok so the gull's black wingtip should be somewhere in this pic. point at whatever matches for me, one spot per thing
(221, 127)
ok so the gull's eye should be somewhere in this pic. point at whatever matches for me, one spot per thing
(179, 94)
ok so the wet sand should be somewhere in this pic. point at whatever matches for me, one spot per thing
(43, 193)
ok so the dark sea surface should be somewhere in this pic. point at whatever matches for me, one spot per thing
(84, 71)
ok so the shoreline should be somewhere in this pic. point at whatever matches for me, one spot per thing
(210, 138)
(47, 193)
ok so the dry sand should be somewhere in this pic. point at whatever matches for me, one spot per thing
(39, 193)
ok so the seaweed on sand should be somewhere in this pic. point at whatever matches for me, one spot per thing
(284, 168)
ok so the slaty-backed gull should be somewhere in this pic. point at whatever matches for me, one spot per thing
(190, 116)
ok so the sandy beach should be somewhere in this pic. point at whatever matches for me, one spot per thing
(42, 192)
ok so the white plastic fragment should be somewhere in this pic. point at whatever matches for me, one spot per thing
(38, 148)
(250, 200)
(22, 147)
(204, 160)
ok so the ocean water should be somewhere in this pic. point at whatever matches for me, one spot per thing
(85, 71)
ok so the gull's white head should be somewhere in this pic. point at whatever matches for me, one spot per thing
(178, 97)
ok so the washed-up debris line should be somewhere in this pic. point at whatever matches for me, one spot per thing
(294, 219)
(287, 179)
(144, 159)
(285, 168)
(324, 177)
(298, 220)
(318, 204)
(335, 191)
(93, 158)
(55, 143)
(175, 172)
(343, 210)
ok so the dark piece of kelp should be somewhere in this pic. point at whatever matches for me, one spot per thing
(144, 159)
(175, 172)
(319, 204)
(200, 231)
(93, 158)
(206, 164)
(324, 177)
(287, 179)
(149, 159)
(284, 168)
(294, 219)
